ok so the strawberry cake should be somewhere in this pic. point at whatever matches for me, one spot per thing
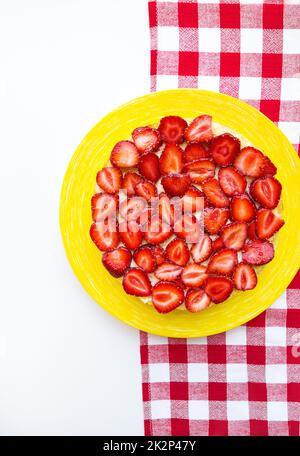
(185, 213)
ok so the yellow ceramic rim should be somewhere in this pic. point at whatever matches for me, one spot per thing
(78, 187)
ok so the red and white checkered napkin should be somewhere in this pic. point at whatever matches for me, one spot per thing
(245, 381)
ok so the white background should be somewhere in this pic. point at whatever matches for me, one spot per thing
(66, 366)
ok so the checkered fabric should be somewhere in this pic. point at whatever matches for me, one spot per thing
(246, 381)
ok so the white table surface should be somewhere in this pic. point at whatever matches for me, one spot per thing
(66, 366)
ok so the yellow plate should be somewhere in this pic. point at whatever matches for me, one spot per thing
(78, 187)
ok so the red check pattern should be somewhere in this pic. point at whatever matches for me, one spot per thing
(246, 381)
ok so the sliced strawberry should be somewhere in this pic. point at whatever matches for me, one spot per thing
(200, 170)
(195, 151)
(223, 262)
(193, 200)
(214, 193)
(217, 244)
(177, 251)
(172, 129)
(269, 167)
(232, 182)
(250, 162)
(218, 288)
(187, 227)
(258, 252)
(110, 179)
(194, 275)
(146, 139)
(176, 184)
(267, 223)
(202, 249)
(149, 167)
(252, 230)
(171, 159)
(166, 296)
(146, 189)
(145, 259)
(130, 180)
(133, 208)
(104, 235)
(166, 209)
(242, 209)
(159, 253)
(168, 271)
(234, 235)
(136, 282)
(200, 129)
(224, 149)
(244, 277)
(157, 232)
(266, 191)
(214, 219)
(124, 155)
(196, 300)
(117, 261)
(130, 234)
(104, 205)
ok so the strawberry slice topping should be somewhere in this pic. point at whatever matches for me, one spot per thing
(171, 159)
(166, 209)
(194, 275)
(105, 235)
(234, 235)
(214, 219)
(168, 271)
(146, 139)
(218, 288)
(177, 251)
(232, 182)
(172, 129)
(266, 191)
(176, 184)
(196, 300)
(269, 168)
(110, 179)
(202, 249)
(195, 151)
(145, 259)
(244, 277)
(217, 244)
(252, 230)
(214, 193)
(224, 149)
(242, 209)
(166, 296)
(267, 223)
(133, 208)
(130, 234)
(157, 232)
(136, 282)
(250, 162)
(193, 200)
(146, 189)
(124, 155)
(117, 261)
(200, 170)
(223, 262)
(200, 129)
(149, 167)
(258, 252)
(130, 180)
(188, 228)
(159, 253)
(104, 205)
